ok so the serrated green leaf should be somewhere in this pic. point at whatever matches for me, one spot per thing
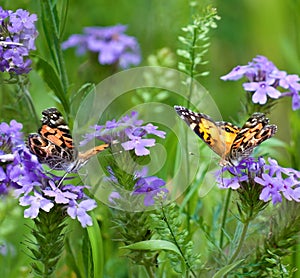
(51, 27)
(226, 269)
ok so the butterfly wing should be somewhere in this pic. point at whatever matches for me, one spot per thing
(254, 132)
(47, 152)
(217, 135)
(53, 144)
(55, 129)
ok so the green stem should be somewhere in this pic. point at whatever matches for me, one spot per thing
(150, 272)
(29, 100)
(190, 92)
(241, 242)
(176, 243)
(192, 71)
(223, 223)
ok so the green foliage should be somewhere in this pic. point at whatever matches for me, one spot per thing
(131, 229)
(52, 30)
(249, 204)
(158, 241)
(196, 42)
(167, 224)
(162, 58)
(282, 236)
(95, 241)
(48, 242)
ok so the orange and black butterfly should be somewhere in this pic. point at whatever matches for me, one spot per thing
(230, 142)
(54, 146)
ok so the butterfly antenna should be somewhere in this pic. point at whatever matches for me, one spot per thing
(62, 179)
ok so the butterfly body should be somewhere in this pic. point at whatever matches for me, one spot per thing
(53, 144)
(230, 142)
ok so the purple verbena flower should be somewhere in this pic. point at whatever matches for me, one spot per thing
(151, 129)
(18, 34)
(79, 211)
(271, 188)
(129, 131)
(265, 81)
(21, 171)
(111, 44)
(35, 203)
(238, 72)
(18, 166)
(60, 197)
(138, 144)
(262, 90)
(151, 187)
(274, 181)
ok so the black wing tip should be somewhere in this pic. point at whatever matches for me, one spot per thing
(50, 110)
(178, 108)
(274, 129)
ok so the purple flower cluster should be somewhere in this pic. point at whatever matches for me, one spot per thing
(111, 44)
(151, 187)
(17, 37)
(265, 80)
(129, 131)
(20, 170)
(15, 159)
(45, 195)
(273, 180)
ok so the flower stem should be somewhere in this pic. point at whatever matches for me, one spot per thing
(193, 274)
(150, 272)
(225, 210)
(241, 242)
(190, 92)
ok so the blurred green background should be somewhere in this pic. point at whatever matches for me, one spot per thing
(247, 28)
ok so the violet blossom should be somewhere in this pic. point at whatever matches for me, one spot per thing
(111, 43)
(78, 210)
(17, 38)
(21, 172)
(129, 131)
(151, 187)
(273, 181)
(266, 81)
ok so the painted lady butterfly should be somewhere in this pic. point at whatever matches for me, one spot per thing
(53, 144)
(230, 142)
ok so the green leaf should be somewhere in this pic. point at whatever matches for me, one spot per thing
(83, 91)
(226, 269)
(157, 245)
(50, 76)
(51, 28)
(95, 238)
(71, 259)
(182, 67)
(184, 53)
